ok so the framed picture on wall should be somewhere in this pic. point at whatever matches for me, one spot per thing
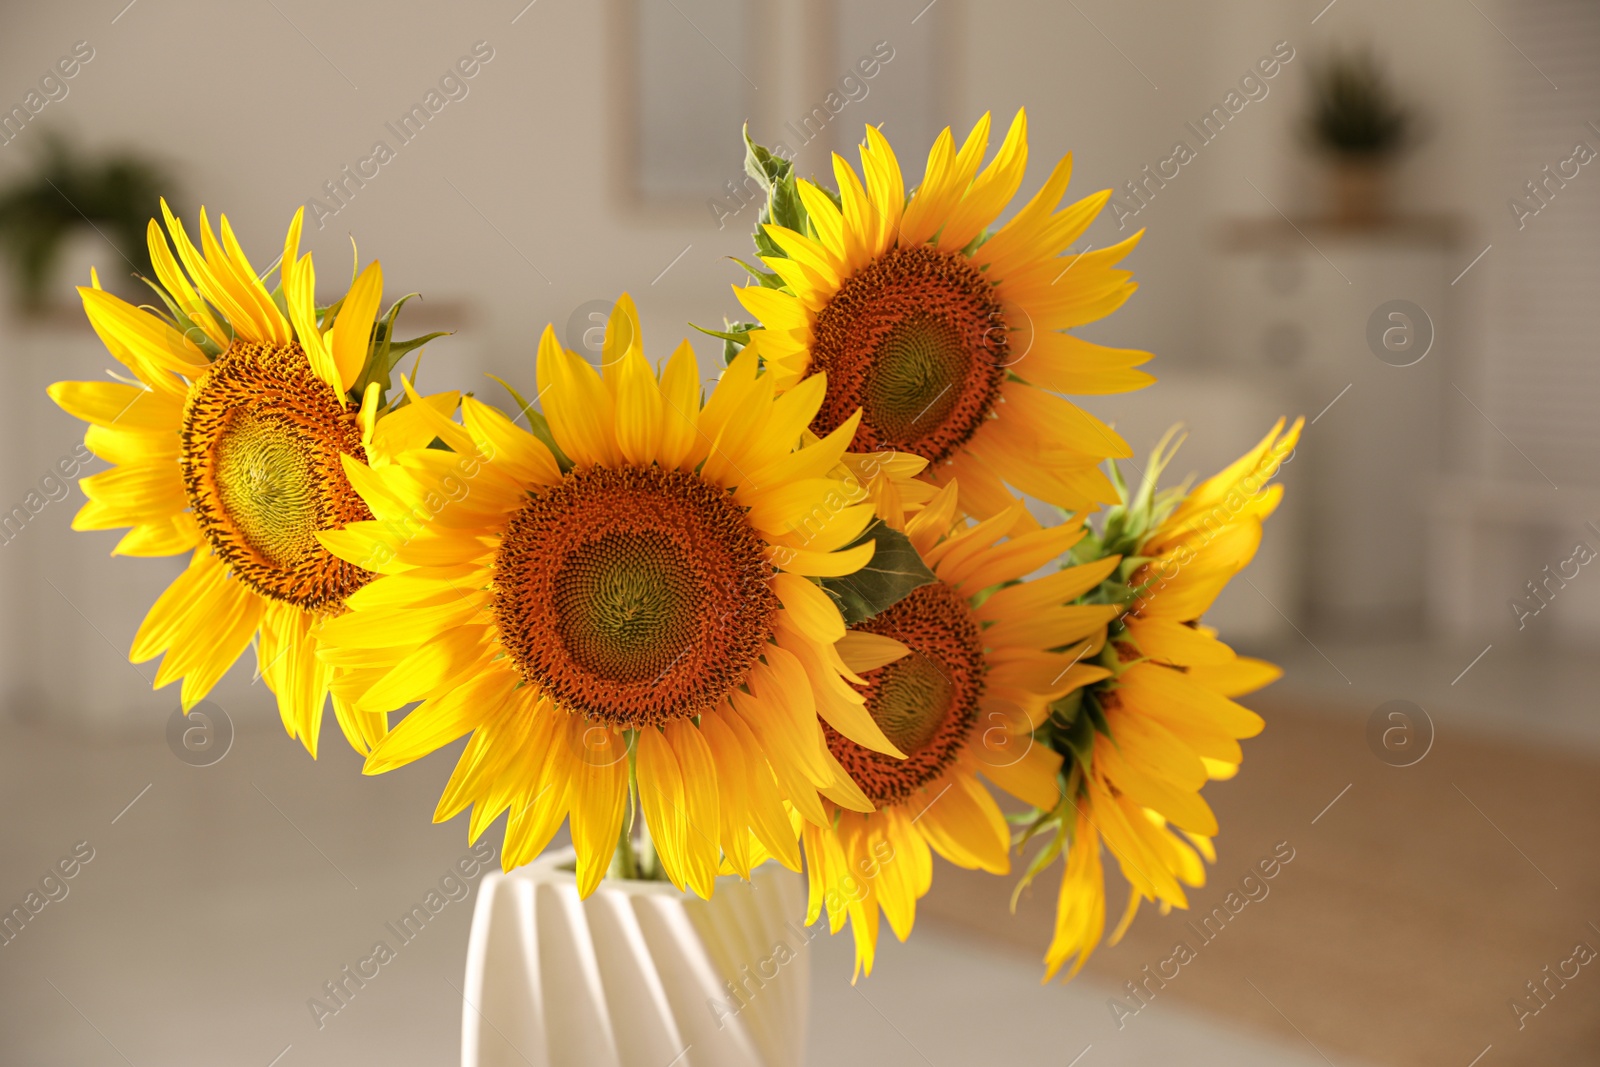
(690, 73)
(686, 86)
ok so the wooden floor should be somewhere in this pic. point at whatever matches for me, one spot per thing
(1415, 908)
(1397, 935)
(220, 899)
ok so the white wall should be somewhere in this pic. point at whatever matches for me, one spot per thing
(504, 212)
(257, 127)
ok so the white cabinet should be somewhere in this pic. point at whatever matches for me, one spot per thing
(71, 609)
(1292, 307)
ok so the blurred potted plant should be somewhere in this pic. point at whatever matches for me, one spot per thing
(68, 193)
(1358, 123)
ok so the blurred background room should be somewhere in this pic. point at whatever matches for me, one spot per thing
(1376, 213)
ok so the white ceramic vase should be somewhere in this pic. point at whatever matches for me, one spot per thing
(638, 975)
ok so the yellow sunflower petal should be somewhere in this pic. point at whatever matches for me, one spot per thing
(990, 190)
(578, 405)
(964, 824)
(299, 292)
(352, 330)
(599, 799)
(640, 411)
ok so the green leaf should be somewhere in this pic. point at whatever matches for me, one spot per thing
(893, 573)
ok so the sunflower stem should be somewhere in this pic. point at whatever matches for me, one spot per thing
(649, 861)
(625, 864)
(635, 861)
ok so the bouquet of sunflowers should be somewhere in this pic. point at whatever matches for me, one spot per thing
(801, 616)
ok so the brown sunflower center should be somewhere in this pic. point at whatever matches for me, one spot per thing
(926, 702)
(918, 342)
(262, 437)
(635, 595)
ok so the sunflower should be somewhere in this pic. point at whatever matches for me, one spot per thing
(958, 674)
(1141, 743)
(229, 443)
(620, 604)
(950, 339)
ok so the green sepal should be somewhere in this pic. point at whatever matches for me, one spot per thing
(379, 363)
(1064, 710)
(1118, 481)
(1097, 716)
(1057, 817)
(767, 279)
(762, 165)
(1040, 861)
(783, 206)
(734, 338)
(537, 424)
(280, 301)
(1070, 728)
(1043, 859)
(325, 315)
(205, 344)
(1129, 523)
(400, 348)
(1078, 737)
(384, 352)
(893, 573)
(740, 335)
(976, 243)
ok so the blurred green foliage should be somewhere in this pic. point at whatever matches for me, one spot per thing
(1354, 110)
(115, 194)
